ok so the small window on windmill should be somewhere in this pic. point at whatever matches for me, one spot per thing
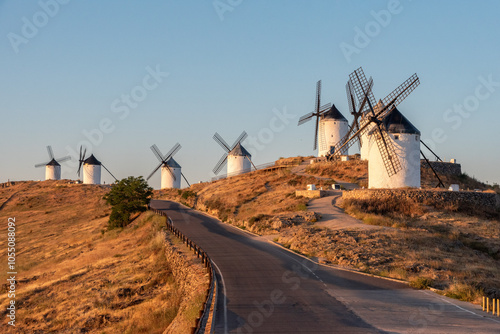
(416, 138)
(396, 137)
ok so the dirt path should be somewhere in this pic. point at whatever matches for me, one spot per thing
(333, 217)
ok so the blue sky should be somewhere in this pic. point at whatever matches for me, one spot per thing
(228, 66)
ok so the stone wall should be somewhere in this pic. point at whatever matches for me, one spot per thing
(478, 199)
(446, 168)
(314, 193)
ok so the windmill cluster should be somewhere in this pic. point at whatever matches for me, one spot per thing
(236, 157)
(386, 138)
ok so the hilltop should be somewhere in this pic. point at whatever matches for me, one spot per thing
(76, 276)
(456, 252)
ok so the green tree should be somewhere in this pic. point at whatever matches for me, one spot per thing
(126, 197)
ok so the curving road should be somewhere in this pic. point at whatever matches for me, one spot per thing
(267, 289)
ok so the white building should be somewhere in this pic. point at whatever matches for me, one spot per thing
(171, 178)
(333, 126)
(91, 170)
(53, 170)
(238, 161)
(406, 140)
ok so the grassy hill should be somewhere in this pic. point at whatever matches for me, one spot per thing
(430, 247)
(74, 276)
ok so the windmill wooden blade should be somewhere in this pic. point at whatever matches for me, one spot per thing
(63, 159)
(241, 138)
(306, 118)
(399, 94)
(221, 142)
(318, 96)
(109, 172)
(157, 152)
(172, 152)
(154, 171)
(360, 85)
(80, 160)
(51, 153)
(350, 98)
(42, 164)
(316, 134)
(220, 164)
(189, 185)
(387, 152)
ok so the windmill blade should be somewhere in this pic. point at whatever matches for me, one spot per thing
(221, 142)
(80, 160)
(324, 108)
(172, 152)
(318, 95)
(109, 172)
(306, 118)
(51, 153)
(316, 134)
(157, 152)
(189, 185)
(42, 164)
(220, 164)
(350, 98)
(400, 93)
(440, 183)
(387, 152)
(241, 138)
(360, 85)
(154, 171)
(63, 159)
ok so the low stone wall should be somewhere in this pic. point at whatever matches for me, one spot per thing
(446, 168)
(479, 199)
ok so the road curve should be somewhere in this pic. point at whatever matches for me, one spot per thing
(267, 289)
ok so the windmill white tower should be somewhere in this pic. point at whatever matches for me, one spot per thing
(170, 170)
(238, 159)
(386, 159)
(91, 168)
(405, 138)
(53, 167)
(333, 126)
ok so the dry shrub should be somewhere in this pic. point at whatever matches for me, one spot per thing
(387, 205)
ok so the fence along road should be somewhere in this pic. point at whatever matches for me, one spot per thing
(266, 289)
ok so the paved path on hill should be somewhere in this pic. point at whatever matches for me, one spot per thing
(267, 289)
(334, 217)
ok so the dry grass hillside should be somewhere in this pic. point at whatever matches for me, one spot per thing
(76, 277)
(443, 248)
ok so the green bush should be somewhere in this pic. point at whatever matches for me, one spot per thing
(126, 197)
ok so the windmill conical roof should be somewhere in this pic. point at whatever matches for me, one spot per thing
(240, 151)
(396, 122)
(91, 161)
(172, 163)
(335, 114)
(53, 162)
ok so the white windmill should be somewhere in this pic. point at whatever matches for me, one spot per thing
(405, 138)
(170, 170)
(331, 125)
(238, 159)
(393, 142)
(53, 167)
(91, 168)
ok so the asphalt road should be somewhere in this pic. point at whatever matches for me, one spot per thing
(267, 289)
